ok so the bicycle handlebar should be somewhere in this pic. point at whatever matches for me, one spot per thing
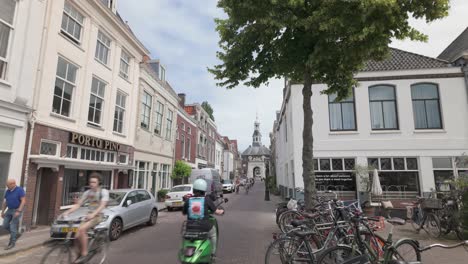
(443, 246)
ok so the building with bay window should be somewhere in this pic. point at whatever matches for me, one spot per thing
(407, 118)
(156, 130)
(86, 96)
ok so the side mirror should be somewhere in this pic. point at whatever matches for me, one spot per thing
(226, 200)
(129, 202)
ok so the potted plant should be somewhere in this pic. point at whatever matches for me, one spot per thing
(162, 195)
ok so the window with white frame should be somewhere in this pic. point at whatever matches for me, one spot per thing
(142, 171)
(169, 125)
(72, 22)
(64, 85)
(342, 115)
(96, 101)
(188, 148)
(399, 176)
(182, 126)
(119, 113)
(189, 130)
(146, 101)
(123, 158)
(102, 48)
(159, 118)
(182, 143)
(426, 106)
(7, 13)
(90, 154)
(49, 148)
(383, 107)
(124, 64)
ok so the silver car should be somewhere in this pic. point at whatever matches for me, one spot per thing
(126, 208)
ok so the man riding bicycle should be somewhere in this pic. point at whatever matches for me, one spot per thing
(97, 199)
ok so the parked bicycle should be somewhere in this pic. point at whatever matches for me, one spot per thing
(66, 251)
(424, 216)
(360, 251)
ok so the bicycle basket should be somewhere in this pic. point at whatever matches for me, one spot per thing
(431, 203)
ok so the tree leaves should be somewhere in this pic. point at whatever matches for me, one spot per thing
(263, 39)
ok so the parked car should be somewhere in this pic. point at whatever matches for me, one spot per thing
(213, 179)
(176, 197)
(126, 208)
(228, 186)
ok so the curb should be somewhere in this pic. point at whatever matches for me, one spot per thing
(27, 248)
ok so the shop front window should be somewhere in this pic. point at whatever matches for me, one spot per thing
(75, 182)
(399, 177)
(4, 166)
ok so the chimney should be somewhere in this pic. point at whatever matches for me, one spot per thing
(146, 58)
(182, 99)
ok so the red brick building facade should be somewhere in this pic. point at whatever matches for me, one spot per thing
(60, 162)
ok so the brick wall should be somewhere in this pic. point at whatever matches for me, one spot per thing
(182, 122)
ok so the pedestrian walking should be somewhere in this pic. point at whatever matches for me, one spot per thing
(14, 199)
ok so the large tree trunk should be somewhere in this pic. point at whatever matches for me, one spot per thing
(308, 173)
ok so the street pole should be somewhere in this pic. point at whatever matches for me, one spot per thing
(267, 180)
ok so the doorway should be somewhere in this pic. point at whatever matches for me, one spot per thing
(46, 179)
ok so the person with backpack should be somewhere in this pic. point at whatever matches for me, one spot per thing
(97, 199)
(198, 209)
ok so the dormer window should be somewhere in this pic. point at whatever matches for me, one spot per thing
(162, 73)
(107, 3)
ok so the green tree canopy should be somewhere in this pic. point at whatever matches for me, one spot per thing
(181, 170)
(208, 109)
(324, 41)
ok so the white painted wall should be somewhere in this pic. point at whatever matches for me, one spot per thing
(452, 140)
(16, 89)
(219, 156)
(83, 55)
(228, 164)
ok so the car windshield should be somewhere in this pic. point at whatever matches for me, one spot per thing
(181, 189)
(114, 199)
(227, 181)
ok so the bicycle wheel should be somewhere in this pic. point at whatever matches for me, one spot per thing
(406, 251)
(375, 241)
(286, 218)
(287, 250)
(432, 225)
(59, 254)
(340, 254)
(99, 247)
(417, 218)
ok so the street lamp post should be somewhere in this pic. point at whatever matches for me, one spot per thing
(267, 179)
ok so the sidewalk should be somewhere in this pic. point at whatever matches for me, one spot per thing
(28, 240)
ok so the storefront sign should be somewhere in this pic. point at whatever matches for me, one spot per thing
(93, 142)
(339, 181)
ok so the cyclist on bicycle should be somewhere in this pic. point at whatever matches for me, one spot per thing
(97, 199)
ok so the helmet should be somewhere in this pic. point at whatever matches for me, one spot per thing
(200, 185)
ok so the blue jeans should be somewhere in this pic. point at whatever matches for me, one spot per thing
(10, 223)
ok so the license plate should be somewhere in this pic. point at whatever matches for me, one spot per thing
(69, 229)
(177, 203)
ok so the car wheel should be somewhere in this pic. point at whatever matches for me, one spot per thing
(116, 228)
(153, 218)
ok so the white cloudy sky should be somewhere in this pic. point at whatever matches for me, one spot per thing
(182, 34)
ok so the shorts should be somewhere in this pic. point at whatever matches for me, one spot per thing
(94, 222)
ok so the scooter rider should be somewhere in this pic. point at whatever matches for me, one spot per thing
(198, 209)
